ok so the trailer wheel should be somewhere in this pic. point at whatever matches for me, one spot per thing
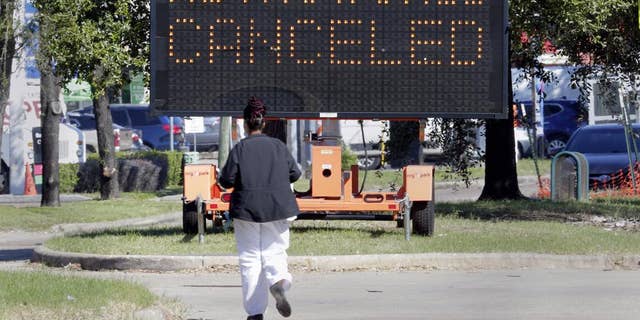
(190, 217)
(423, 217)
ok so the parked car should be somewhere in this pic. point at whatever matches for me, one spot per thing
(375, 132)
(561, 119)
(523, 144)
(155, 128)
(125, 139)
(207, 140)
(605, 149)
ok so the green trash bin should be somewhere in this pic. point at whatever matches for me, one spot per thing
(190, 157)
(569, 177)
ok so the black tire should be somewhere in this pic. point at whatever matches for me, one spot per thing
(190, 218)
(423, 217)
(369, 163)
(555, 145)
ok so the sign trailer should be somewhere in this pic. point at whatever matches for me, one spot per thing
(347, 59)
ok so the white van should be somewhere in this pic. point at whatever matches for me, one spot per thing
(21, 144)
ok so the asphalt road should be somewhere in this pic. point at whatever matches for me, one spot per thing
(508, 294)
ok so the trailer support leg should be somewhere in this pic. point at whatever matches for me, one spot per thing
(201, 222)
(407, 218)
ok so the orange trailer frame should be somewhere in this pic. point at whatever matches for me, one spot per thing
(334, 194)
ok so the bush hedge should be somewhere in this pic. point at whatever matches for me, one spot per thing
(139, 171)
(68, 176)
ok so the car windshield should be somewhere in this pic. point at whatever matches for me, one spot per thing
(84, 122)
(143, 118)
(605, 140)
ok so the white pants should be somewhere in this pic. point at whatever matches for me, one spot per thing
(262, 249)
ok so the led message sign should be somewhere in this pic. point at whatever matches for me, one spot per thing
(339, 58)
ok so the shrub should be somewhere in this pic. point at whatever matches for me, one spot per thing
(348, 158)
(140, 171)
(68, 176)
(139, 175)
(88, 177)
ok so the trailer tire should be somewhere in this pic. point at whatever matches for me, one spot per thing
(190, 217)
(423, 217)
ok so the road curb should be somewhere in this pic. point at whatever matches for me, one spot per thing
(436, 261)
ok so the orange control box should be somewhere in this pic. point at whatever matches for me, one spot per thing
(418, 182)
(326, 171)
(199, 179)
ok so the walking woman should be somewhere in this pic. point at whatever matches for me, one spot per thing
(260, 170)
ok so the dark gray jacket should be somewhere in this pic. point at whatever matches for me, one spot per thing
(260, 170)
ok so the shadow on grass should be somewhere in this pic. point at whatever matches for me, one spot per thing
(150, 232)
(516, 210)
(373, 232)
(169, 191)
(541, 210)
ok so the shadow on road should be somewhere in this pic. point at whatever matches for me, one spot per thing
(15, 255)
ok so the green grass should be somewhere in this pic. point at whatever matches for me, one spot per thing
(542, 209)
(526, 167)
(501, 226)
(130, 205)
(343, 238)
(41, 295)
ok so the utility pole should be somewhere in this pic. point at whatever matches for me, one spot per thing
(224, 145)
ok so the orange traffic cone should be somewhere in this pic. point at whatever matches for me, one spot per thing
(29, 184)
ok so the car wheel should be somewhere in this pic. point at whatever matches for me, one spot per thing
(555, 145)
(369, 163)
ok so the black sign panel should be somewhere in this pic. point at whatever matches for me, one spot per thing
(331, 58)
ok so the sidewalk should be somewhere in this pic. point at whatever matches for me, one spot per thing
(29, 201)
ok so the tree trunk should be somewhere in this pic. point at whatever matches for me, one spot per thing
(52, 111)
(404, 146)
(500, 175)
(8, 47)
(276, 129)
(109, 188)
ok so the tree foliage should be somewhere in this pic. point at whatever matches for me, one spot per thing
(111, 34)
(101, 42)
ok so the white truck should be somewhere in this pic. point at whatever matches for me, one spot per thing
(21, 133)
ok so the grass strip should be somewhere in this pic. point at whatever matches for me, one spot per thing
(540, 226)
(453, 234)
(41, 295)
(548, 210)
(42, 218)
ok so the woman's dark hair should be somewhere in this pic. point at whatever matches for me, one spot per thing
(254, 114)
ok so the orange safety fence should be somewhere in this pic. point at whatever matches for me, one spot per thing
(544, 188)
(619, 184)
